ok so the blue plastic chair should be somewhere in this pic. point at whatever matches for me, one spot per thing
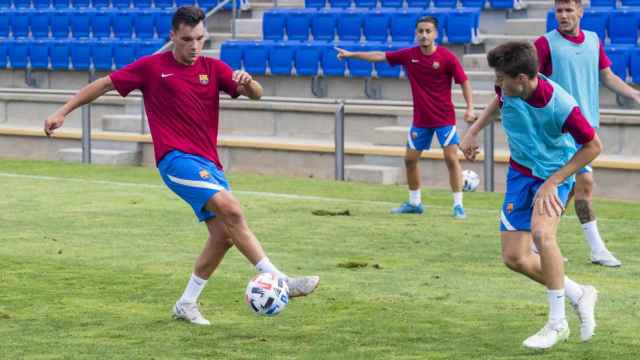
(273, 25)
(403, 25)
(143, 24)
(60, 24)
(619, 56)
(231, 53)
(163, 4)
(163, 22)
(39, 23)
(60, 4)
(180, 3)
(331, 66)
(445, 3)
(623, 27)
(142, 4)
(359, 68)
(18, 53)
(101, 22)
(628, 3)
(349, 25)
(323, 24)
(441, 16)
(4, 51)
(4, 4)
(81, 4)
(102, 54)
(418, 4)
(98, 4)
(39, 54)
(121, 4)
(376, 25)
(148, 47)
(22, 4)
(366, 4)
(595, 20)
(393, 4)
(477, 4)
(41, 4)
(256, 55)
(124, 53)
(80, 54)
(314, 4)
(59, 51)
(552, 23)
(19, 20)
(80, 23)
(383, 68)
(5, 26)
(298, 23)
(634, 64)
(604, 3)
(307, 58)
(123, 24)
(462, 26)
(342, 4)
(501, 4)
(207, 4)
(281, 56)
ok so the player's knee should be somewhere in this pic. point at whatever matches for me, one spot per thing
(584, 190)
(514, 261)
(541, 237)
(232, 213)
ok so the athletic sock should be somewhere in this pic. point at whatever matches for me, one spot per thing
(457, 198)
(573, 290)
(193, 290)
(415, 197)
(593, 237)
(556, 305)
(265, 266)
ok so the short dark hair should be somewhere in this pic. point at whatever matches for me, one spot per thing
(428, 19)
(188, 15)
(514, 58)
(578, 2)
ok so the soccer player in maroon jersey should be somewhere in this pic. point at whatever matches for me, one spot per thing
(181, 97)
(430, 69)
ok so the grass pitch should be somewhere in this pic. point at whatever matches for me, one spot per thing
(92, 259)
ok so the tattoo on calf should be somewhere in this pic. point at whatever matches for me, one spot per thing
(584, 211)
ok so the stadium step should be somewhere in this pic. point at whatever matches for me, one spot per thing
(249, 26)
(374, 174)
(102, 156)
(538, 8)
(527, 26)
(122, 123)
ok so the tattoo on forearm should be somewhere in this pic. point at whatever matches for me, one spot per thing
(584, 211)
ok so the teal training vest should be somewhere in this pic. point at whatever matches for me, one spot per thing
(576, 68)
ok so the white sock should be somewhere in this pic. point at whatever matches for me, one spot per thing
(556, 305)
(265, 266)
(457, 198)
(593, 237)
(193, 290)
(572, 289)
(415, 197)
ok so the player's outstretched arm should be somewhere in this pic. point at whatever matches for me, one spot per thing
(618, 86)
(467, 93)
(371, 56)
(246, 85)
(86, 95)
(469, 144)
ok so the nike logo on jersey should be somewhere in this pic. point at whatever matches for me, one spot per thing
(163, 75)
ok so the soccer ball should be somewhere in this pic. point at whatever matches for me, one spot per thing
(267, 294)
(470, 180)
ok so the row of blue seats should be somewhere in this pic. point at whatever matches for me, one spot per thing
(613, 3)
(620, 25)
(369, 4)
(306, 58)
(625, 61)
(120, 4)
(461, 25)
(84, 23)
(80, 54)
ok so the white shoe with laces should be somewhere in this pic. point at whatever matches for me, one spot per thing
(605, 258)
(189, 312)
(549, 335)
(302, 286)
(585, 308)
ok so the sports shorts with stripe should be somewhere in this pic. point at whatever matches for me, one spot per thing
(194, 179)
(419, 139)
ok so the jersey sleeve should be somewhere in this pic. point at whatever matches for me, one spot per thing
(130, 77)
(544, 55)
(398, 57)
(224, 75)
(578, 126)
(498, 91)
(604, 61)
(457, 72)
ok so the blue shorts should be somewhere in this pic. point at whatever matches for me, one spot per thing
(517, 207)
(419, 139)
(193, 178)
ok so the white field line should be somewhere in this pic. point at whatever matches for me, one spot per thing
(251, 193)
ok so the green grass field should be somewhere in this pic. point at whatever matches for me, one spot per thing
(92, 259)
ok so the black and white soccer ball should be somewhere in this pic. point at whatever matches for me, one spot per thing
(470, 180)
(267, 294)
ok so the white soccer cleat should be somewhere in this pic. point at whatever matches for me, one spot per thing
(585, 308)
(302, 286)
(605, 258)
(190, 313)
(549, 335)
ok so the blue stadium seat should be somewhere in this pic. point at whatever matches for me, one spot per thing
(478, 4)
(619, 56)
(80, 51)
(39, 54)
(142, 4)
(307, 58)
(298, 23)
(18, 53)
(60, 23)
(255, 57)
(342, 4)
(441, 16)
(4, 4)
(124, 53)
(22, 4)
(552, 23)
(100, 3)
(349, 25)
(4, 49)
(102, 54)
(623, 27)
(394, 4)
(366, 4)
(59, 51)
(60, 4)
(4, 22)
(273, 24)
(323, 24)
(207, 4)
(501, 4)
(462, 26)
(19, 20)
(604, 3)
(281, 56)
(101, 22)
(331, 66)
(231, 53)
(595, 20)
(163, 22)
(143, 23)
(376, 25)
(79, 4)
(80, 23)
(418, 4)
(445, 3)
(121, 4)
(634, 64)
(163, 4)
(359, 68)
(314, 4)
(628, 3)
(148, 47)
(383, 68)
(123, 24)
(180, 3)
(41, 4)
(403, 25)
(39, 23)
